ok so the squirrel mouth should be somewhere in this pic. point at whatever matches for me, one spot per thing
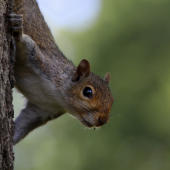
(87, 124)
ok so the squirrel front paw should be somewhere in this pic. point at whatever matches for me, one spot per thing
(16, 25)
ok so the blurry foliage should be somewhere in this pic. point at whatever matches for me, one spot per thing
(131, 40)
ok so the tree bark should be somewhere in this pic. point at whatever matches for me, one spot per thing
(6, 85)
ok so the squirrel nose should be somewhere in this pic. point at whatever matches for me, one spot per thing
(102, 120)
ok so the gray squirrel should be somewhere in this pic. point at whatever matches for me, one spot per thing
(49, 81)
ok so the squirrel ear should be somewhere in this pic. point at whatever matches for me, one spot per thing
(107, 78)
(83, 69)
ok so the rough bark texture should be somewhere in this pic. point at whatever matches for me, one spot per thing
(6, 85)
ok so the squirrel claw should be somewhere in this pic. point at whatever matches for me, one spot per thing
(16, 25)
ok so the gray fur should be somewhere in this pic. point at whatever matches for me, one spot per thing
(30, 118)
(49, 81)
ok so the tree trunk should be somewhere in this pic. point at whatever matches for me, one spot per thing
(6, 85)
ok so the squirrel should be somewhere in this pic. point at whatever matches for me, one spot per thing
(49, 81)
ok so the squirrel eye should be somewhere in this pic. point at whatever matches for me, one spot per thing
(87, 92)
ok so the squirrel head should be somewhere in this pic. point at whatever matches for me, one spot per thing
(89, 96)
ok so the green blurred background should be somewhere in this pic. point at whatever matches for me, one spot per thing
(131, 40)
